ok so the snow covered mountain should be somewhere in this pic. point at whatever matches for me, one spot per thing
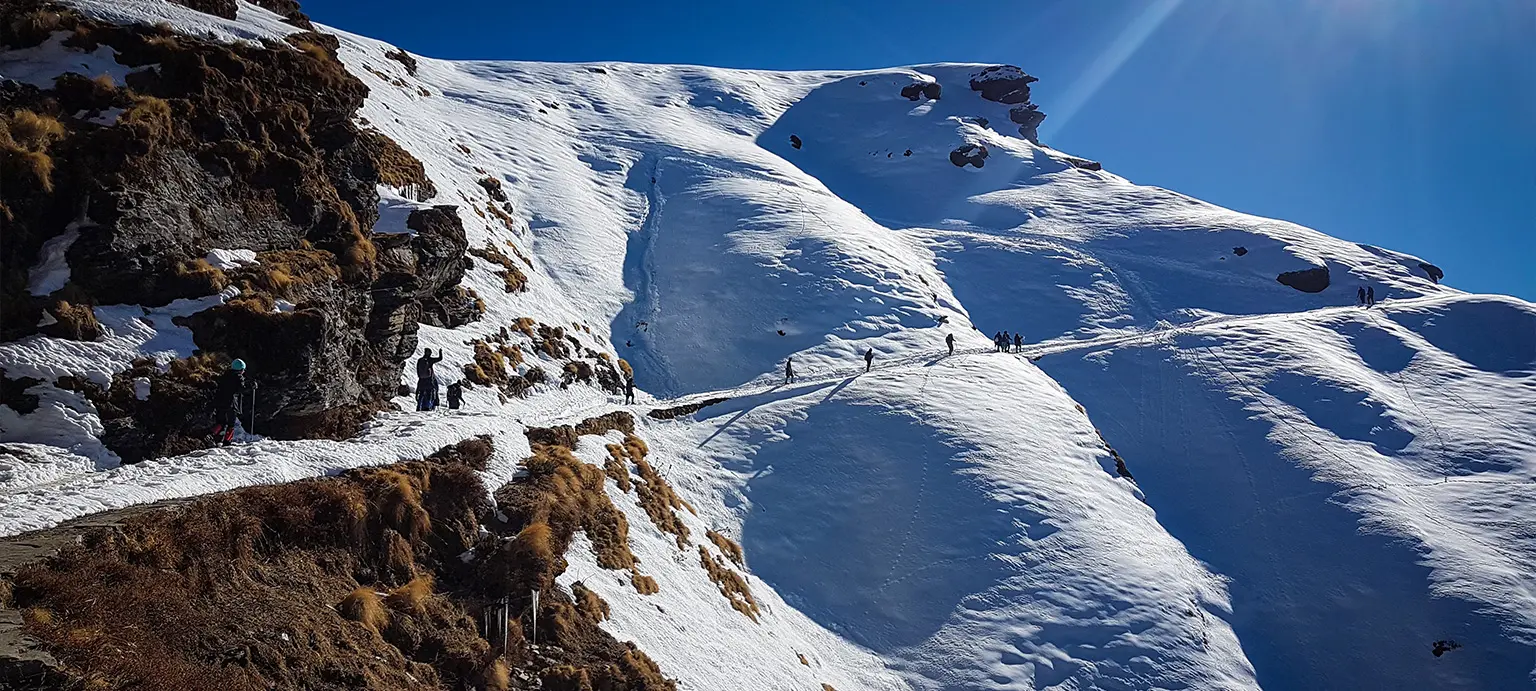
(1206, 468)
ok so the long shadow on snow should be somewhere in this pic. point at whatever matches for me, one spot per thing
(868, 524)
(1316, 604)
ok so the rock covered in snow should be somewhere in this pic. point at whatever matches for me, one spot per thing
(919, 90)
(1003, 84)
(969, 155)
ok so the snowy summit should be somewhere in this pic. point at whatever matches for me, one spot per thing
(1046, 428)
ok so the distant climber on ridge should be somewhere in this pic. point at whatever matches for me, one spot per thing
(949, 340)
(869, 359)
(1006, 340)
(226, 400)
(426, 381)
(629, 390)
(789, 370)
(1370, 297)
(455, 395)
(1360, 294)
(1018, 341)
(997, 341)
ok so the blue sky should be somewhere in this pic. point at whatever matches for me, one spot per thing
(1409, 124)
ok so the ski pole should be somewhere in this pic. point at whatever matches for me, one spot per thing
(251, 428)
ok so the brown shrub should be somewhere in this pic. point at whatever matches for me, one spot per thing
(396, 166)
(629, 372)
(566, 678)
(728, 547)
(827, 687)
(362, 606)
(567, 495)
(589, 603)
(803, 661)
(149, 118)
(495, 677)
(403, 58)
(731, 584)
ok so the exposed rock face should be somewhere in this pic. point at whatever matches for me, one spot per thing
(1082, 163)
(228, 147)
(794, 141)
(1433, 272)
(221, 8)
(1003, 84)
(1314, 280)
(1028, 118)
(969, 154)
(920, 90)
(1239, 251)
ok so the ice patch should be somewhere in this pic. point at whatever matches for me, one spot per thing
(230, 259)
(52, 269)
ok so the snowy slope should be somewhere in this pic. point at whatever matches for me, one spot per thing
(1320, 492)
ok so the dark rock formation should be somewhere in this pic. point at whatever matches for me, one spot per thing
(1003, 84)
(1239, 251)
(409, 61)
(917, 91)
(679, 411)
(1314, 280)
(221, 8)
(289, 10)
(1028, 118)
(795, 141)
(1082, 163)
(969, 154)
(1433, 272)
(13, 393)
(243, 146)
(976, 120)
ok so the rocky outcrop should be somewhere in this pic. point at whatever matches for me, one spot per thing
(920, 90)
(1082, 163)
(1314, 280)
(1028, 118)
(1003, 84)
(969, 155)
(794, 140)
(1433, 272)
(1239, 251)
(223, 146)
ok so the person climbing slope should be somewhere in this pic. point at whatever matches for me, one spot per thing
(1018, 341)
(869, 359)
(789, 370)
(426, 380)
(1370, 297)
(997, 341)
(949, 340)
(455, 395)
(1006, 340)
(227, 397)
(1360, 295)
(629, 390)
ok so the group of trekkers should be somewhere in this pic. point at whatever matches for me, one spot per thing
(1366, 295)
(426, 384)
(1003, 341)
(869, 362)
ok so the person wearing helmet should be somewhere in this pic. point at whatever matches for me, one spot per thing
(226, 402)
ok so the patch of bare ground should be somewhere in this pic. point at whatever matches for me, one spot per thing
(731, 584)
(350, 582)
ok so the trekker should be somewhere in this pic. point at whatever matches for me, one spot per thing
(997, 341)
(629, 390)
(949, 340)
(1018, 341)
(869, 359)
(1006, 340)
(1370, 297)
(1360, 294)
(426, 381)
(455, 395)
(227, 398)
(789, 370)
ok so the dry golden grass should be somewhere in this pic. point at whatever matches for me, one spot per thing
(728, 547)
(34, 132)
(362, 606)
(202, 278)
(625, 368)
(827, 687)
(496, 677)
(731, 584)
(75, 322)
(590, 603)
(513, 277)
(656, 496)
(411, 597)
(645, 585)
(617, 467)
(803, 661)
